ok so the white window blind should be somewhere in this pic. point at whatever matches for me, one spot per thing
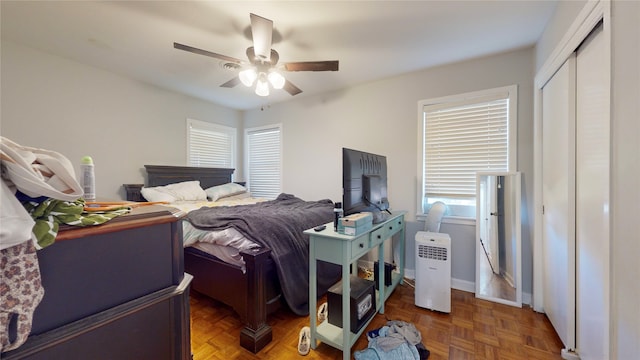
(210, 145)
(264, 161)
(463, 135)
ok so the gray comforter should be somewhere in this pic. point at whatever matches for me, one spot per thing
(279, 224)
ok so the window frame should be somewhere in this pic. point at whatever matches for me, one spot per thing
(214, 128)
(247, 153)
(464, 212)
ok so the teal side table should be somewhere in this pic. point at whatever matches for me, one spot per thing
(344, 250)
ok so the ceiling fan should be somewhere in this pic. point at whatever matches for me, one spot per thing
(263, 68)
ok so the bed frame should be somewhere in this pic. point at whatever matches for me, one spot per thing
(253, 294)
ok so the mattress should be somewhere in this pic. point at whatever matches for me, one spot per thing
(224, 244)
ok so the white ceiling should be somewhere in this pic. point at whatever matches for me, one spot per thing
(371, 39)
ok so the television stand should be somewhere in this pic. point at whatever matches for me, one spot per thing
(333, 247)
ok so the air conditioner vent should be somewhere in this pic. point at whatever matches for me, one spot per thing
(432, 252)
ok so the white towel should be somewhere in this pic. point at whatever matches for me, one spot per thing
(38, 172)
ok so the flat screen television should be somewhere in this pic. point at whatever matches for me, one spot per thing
(364, 183)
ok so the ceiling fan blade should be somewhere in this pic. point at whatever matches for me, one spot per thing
(206, 53)
(290, 88)
(312, 66)
(261, 30)
(231, 83)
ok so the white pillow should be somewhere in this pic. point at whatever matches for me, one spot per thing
(242, 195)
(218, 192)
(152, 194)
(183, 191)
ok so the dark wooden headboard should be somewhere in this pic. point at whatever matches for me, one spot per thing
(160, 175)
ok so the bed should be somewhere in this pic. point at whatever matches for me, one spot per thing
(254, 288)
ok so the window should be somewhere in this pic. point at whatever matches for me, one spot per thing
(264, 161)
(461, 135)
(210, 145)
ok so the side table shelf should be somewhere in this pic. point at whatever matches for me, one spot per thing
(331, 246)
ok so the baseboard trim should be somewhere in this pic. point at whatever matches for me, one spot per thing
(410, 274)
(463, 285)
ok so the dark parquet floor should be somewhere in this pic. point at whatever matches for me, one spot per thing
(475, 329)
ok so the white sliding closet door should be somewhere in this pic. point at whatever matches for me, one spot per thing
(575, 198)
(558, 199)
(592, 198)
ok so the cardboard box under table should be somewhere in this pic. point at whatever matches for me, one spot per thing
(362, 300)
(355, 224)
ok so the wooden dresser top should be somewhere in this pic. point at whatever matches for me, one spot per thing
(138, 217)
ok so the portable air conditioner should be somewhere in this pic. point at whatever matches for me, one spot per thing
(433, 271)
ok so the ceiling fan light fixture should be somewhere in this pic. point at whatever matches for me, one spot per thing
(262, 87)
(262, 62)
(276, 80)
(247, 77)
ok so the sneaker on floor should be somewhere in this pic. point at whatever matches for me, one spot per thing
(304, 341)
(323, 311)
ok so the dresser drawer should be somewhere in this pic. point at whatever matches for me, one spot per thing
(378, 236)
(386, 231)
(359, 246)
(395, 226)
(96, 272)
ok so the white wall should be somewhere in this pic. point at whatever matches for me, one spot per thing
(381, 117)
(56, 104)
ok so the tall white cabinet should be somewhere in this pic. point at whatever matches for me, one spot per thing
(573, 194)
